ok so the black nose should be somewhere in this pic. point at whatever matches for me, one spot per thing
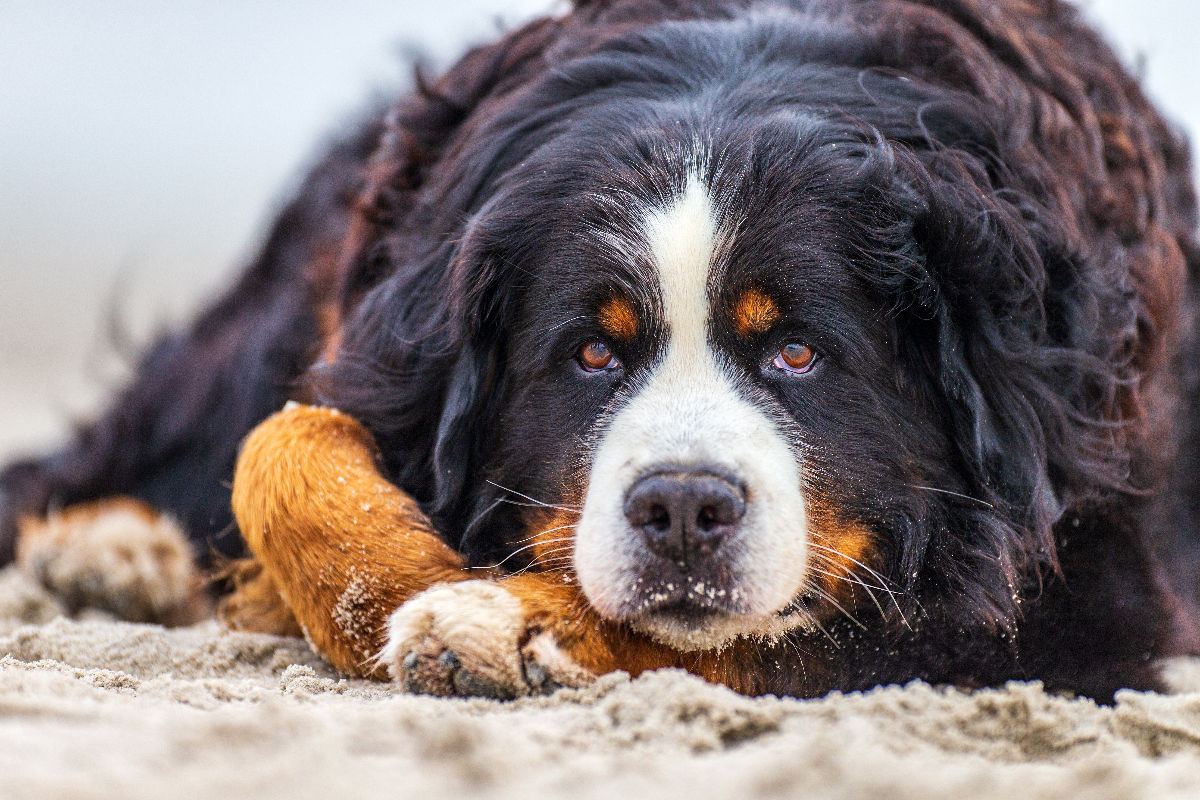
(684, 516)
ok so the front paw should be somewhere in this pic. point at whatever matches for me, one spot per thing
(473, 639)
(116, 555)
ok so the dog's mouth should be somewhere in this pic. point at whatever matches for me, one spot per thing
(684, 614)
(689, 620)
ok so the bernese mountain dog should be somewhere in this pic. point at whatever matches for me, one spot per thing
(804, 344)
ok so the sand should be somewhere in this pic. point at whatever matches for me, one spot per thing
(94, 708)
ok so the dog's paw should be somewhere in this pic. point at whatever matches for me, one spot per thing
(118, 556)
(473, 639)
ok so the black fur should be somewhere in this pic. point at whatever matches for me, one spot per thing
(983, 226)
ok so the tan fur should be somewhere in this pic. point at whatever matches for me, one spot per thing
(117, 555)
(754, 313)
(343, 546)
(619, 319)
(844, 556)
(255, 603)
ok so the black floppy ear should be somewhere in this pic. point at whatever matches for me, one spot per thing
(480, 297)
(465, 409)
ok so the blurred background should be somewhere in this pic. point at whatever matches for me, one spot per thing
(144, 146)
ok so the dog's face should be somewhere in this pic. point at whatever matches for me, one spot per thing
(699, 382)
(695, 524)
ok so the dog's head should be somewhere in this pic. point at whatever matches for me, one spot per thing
(739, 336)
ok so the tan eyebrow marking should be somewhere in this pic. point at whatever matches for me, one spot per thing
(754, 312)
(619, 319)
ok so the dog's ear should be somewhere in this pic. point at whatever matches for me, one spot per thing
(1013, 341)
(409, 356)
(421, 365)
(452, 450)
(481, 287)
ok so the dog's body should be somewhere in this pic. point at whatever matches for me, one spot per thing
(850, 341)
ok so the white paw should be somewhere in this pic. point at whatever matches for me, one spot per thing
(471, 639)
(116, 555)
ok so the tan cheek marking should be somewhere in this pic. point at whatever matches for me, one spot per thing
(843, 554)
(550, 539)
(754, 313)
(619, 319)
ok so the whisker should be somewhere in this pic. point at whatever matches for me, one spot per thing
(848, 575)
(533, 500)
(557, 562)
(556, 552)
(543, 532)
(883, 582)
(562, 562)
(984, 503)
(521, 549)
(852, 579)
(829, 562)
(536, 505)
(874, 574)
(829, 599)
(811, 619)
(564, 323)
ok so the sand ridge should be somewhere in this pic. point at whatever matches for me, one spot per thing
(92, 708)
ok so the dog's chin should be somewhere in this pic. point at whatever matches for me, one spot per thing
(689, 628)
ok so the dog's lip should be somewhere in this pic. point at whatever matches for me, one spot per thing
(683, 613)
(681, 605)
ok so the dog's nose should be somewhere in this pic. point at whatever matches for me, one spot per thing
(684, 516)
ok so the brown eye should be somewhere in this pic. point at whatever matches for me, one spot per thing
(595, 356)
(795, 358)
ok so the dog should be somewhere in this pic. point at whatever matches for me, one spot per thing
(807, 345)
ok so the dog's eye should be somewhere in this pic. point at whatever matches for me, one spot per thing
(596, 357)
(795, 358)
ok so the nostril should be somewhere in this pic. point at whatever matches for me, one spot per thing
(659, 519)
(684, 514)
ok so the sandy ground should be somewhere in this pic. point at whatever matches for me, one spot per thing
(100, 709)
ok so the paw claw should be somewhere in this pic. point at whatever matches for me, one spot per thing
(535, 673)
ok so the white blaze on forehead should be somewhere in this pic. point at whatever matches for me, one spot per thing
(689, 413)
(682, 241)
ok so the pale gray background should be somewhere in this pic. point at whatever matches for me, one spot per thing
(143, 145)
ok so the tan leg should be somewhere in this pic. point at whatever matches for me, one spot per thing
(343, 547)
(255, 603)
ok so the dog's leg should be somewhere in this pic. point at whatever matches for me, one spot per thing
(342, 546)
(255, 603)
(377, 593)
